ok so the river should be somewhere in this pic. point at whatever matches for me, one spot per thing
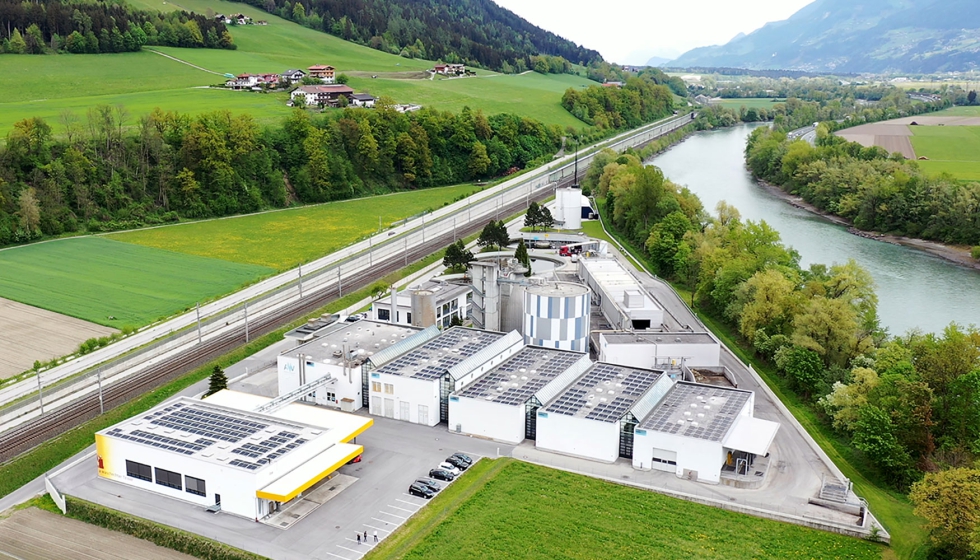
(915, 289)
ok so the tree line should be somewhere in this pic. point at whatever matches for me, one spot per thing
(475, 32)
(90, 27)
(638, 101)
(875, 190)
(102, 176)
(907, 405)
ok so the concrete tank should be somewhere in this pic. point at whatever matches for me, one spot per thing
(568, 208)
(423, 308)
(556, 315)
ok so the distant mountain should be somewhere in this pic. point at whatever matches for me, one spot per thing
(857, 36)
(448, 30)
(657, 61)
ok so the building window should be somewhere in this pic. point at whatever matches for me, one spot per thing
(195, 486)
(409, 320)
(332, 397)
(384, 314)
(389, 388)
(376, 386)
(310, 364)
(168, 478)
(664, 461)
(139, 470)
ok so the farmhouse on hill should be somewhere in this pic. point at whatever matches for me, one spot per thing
(253, 81)
(293, 75)
(324, 72)
(450, 69)
(362, 100)
(324, 96)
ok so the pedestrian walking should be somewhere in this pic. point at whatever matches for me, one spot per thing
(375, 536)
(358, 538)
(365, 536)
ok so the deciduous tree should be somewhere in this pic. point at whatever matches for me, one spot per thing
(949, 501)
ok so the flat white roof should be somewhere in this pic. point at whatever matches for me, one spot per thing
(616, 281)
(697, 411)
(521, 376)
(658, 338)
(362, 339)
(752, 435)
(301, 478)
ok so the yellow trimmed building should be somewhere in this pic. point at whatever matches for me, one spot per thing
(219, 453)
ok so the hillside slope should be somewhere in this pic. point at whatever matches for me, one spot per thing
(857, 36)
(471, 31)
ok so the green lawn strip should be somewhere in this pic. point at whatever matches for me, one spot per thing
(159, 534)
(283, 239)
(439, 509)
(45, 457)
(521, 510)
(113, 283)
(748, 103)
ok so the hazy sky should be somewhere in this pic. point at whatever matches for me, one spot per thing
(631, 31)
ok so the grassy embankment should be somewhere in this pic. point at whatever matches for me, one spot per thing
(140, 276)
(144, 80)
(950, 149)
(504, 508)
(909, 536)
(748, 103)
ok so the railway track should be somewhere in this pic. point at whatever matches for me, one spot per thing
(23, 438)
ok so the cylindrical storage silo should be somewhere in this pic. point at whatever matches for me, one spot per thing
(423, 308)
(556, 315)
(568, 208)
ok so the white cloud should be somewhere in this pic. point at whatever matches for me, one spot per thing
(631, 31)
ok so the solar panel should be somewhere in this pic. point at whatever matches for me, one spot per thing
(606, 392)
(697, 411)
(432, 359)
(522, 375)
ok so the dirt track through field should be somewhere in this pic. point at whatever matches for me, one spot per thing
(34, 534)
(29, 333)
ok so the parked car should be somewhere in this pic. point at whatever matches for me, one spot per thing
(449, 467)
(457, 462)
(429, 483)
(421, 491)
(441, 474)
(464, 458)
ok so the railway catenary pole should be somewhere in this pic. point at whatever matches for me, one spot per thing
(40, 392)
(98, 374)
(198, 309)
(405, 252)
(340, 284)
(246, 322)
(300, 281)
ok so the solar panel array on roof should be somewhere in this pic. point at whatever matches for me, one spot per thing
(697, 411)
(432, 359)
(163, 442)
(521, 376)
(205, 422)
(606, 392)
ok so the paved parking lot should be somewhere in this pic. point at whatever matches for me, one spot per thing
(395, 454)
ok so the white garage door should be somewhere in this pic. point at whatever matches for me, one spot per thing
(423, 414)
(376, 406)
(664, 460)
(389, 408)
(403, 412)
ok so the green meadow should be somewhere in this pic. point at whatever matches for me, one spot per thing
(47, 86)
(950, 149)
(971, 111)
(283, 239)
(113, 283)
(508, 509)
(748, 103)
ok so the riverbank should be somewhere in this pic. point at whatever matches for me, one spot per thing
(952, 253)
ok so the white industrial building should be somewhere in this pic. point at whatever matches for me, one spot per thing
(594, 418)
(570, 207)
(657, 350)
(556, 315)
(423, 305)
(700, 431)
(415, 386)
(623, 301)
(339, 351)
(234, 452)
(502, 404)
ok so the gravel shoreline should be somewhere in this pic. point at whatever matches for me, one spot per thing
(952, 253)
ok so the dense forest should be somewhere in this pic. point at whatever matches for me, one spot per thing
(638, 101)
(908, 405)
(97, 27)
(109, 171)
(870, 187)
(475, 32)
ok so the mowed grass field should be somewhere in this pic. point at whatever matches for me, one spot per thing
(748, 103)
(950, 149)
(144, 80)
(283, 239)
(971, 111)
(508, 509)
(94, 278)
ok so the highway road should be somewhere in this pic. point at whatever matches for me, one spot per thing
(167, 347)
